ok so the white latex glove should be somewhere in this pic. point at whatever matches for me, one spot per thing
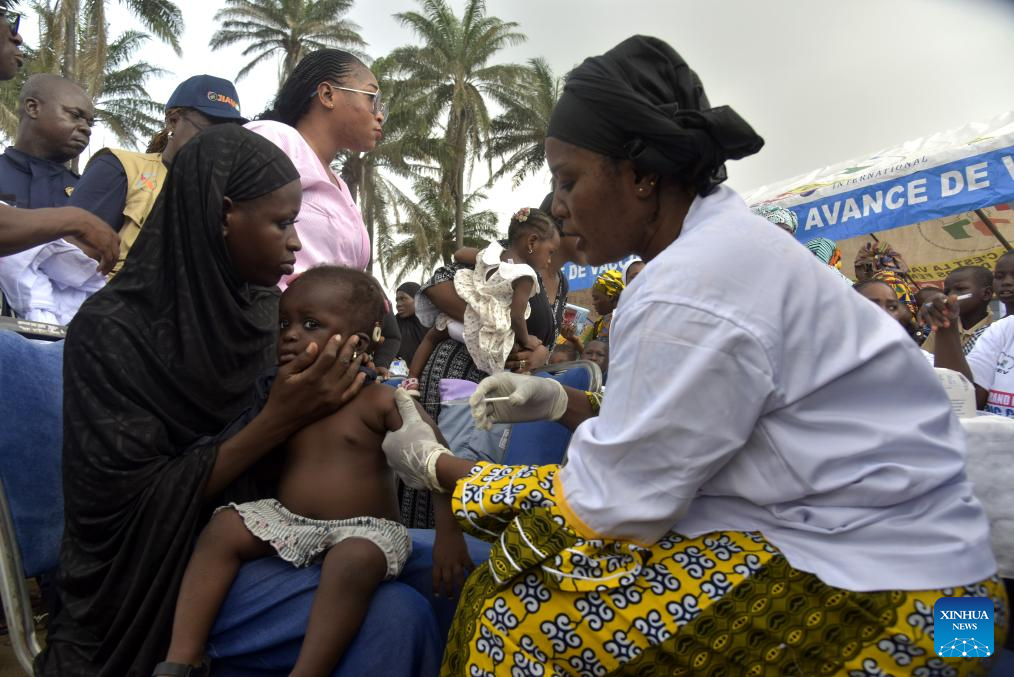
(412, 450)
(532, 398)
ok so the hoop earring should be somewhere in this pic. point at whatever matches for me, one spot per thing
(530, 250)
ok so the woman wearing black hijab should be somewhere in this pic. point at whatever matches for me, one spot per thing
(753, 497)
(412, 330)
(156, 366)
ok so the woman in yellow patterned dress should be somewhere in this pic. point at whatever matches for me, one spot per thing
(761, 492)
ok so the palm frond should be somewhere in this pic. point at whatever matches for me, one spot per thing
(288, 28)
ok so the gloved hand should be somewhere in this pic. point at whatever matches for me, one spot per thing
(412, 450)
(531, 398)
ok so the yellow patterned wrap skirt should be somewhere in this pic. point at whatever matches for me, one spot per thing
(550, 603)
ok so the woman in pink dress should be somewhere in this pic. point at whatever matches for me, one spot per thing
(331, 103)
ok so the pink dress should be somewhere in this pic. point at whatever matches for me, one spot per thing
(329, 223)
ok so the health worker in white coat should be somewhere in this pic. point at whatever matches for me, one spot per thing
(764, 491)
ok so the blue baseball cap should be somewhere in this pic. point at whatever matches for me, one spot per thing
(215, 97)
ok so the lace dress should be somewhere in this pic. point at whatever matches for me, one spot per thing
(488, 291)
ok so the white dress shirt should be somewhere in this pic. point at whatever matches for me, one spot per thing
(48, 283)
(750, 390)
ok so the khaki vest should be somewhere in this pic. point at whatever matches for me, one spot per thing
(145, 176)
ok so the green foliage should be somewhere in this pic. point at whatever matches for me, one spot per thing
(286, 28)
(116, 82)
(424, 236)
(519, 133)
(450, 78)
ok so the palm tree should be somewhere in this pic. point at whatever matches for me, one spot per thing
(287, 27)
(162, 17)
(122, 103)
(425, 235)
(519, 133)
(406, 150)
(449, 78)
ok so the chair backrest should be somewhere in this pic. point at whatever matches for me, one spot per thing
(31, 440)
(545, 442)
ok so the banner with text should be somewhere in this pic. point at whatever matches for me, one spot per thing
(583, 277)
(945, 174)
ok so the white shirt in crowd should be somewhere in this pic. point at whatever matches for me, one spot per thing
(48, 283)
(992, 364)
(750, 390)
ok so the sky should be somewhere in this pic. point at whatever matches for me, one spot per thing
(822, 82)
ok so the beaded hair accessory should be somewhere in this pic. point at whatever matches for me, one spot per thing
(522, 214)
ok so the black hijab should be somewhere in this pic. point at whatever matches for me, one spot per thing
(412, 330)
(164, 356)
(640, 101)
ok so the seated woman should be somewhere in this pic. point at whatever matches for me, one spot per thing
(790, 499)
(336, 501)
(157, 365)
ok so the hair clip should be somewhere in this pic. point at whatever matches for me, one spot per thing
(522, 214)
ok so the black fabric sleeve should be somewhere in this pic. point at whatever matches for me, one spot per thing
(102, 190)
(133, 504)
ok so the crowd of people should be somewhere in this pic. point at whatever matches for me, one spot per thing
(241, 486)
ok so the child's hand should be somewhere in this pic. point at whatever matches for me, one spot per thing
(941, 312)
(411, 386)
(568, 330)
(451, 562)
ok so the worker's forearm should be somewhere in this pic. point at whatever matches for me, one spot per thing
(22, 229)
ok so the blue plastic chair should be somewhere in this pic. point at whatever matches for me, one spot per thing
(545, 442)
(31, 499)
(268, 617)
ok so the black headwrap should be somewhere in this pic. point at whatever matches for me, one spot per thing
(166, 355)
(412, 330)
(410, 288)
(640, 101)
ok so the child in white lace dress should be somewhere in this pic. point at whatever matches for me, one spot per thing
(496, 293)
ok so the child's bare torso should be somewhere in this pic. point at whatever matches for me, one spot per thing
(336, 469)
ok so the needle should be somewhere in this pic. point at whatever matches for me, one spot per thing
(488, 400)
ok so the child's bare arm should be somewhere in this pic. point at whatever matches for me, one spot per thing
(423, 352)
(519, 303)
(392, 419)
(467, 255)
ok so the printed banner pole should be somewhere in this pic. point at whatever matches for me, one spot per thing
(992, 228)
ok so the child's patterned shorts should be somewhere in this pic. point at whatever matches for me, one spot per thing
(302, 541)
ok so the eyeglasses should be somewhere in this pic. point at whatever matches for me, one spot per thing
(13, 20)
(379, 107)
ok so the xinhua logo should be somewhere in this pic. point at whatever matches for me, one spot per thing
(963, 627)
